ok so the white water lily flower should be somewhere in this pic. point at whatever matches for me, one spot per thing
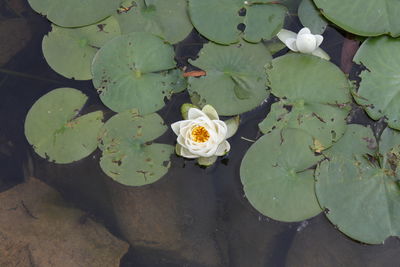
(203, 135)
(303, 42)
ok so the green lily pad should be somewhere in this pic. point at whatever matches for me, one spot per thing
(131, 71)
(165, 18)
(363, 17)
(219, 20)
(325, 123)
(235, 80)
(359, 191)
(314, 96)
(129, 157)
(75, 13)
(311, 17)
(276, 176)
(56, 131)
(379, 90)
(70, 51)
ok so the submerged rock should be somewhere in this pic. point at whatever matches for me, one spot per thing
(37, 228)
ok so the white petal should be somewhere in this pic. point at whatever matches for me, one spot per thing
(232, 126)
(306, 43)
(321, 53)
(176, 126)
(305, 30)
(221, 131)
(291, 44)
(186, 153)
(210, 112)
(207, 161)
(223, 148)
(195, 113)
(319, 39)
(178, 149)
(283, 35)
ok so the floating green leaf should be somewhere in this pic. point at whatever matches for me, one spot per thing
(70, 51)
(129, 156)
(311, 17)
(56, 132)
(379, 90)
(75, 13)
(325, 123)
(314, 93)
(363, 17)
(277, 178)
(235, 80)
(219, 20)
(359, 185)
(131, 71)
(165, 18)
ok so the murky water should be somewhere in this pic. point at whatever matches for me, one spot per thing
(192, 216)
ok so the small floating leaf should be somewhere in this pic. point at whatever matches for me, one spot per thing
(379, 91)
(132, 71)
(56, 132)
(128, 155)
(276, 177)
(311, 17)
(235, 80)
(70, 51)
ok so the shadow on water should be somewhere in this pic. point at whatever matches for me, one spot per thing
(192, 216)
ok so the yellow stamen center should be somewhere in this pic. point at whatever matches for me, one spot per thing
(200, 134)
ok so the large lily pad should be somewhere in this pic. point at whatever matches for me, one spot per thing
(314, 93)
(165, 18)
(358, 185)
(70, 51)
(311, 17)
(74, 13)
(235, 80)
(277, 178)
(219, 20)
(131, 71)
(379, 91)
(128, 155)
(363, 17)
(325, 123)
(56, 131)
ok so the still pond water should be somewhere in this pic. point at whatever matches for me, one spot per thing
(192, 216)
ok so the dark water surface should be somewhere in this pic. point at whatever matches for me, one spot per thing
(192, 216)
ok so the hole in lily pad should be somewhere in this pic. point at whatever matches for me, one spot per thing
(242, 12)
(241, 27)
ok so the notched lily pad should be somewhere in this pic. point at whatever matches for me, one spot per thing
(277, 178)
(70, 51)
(363, 17)
(135, 71)
(56, 131)
(359, 185)
(235, 80)
(219, 20)
(379, 90)
(318, 104)
(166, 18)
(325, 123)
(74, 13)
(129, 156)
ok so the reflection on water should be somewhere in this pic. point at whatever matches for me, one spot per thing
(192, 216)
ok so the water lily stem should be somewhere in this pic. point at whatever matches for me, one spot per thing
(28, 76)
